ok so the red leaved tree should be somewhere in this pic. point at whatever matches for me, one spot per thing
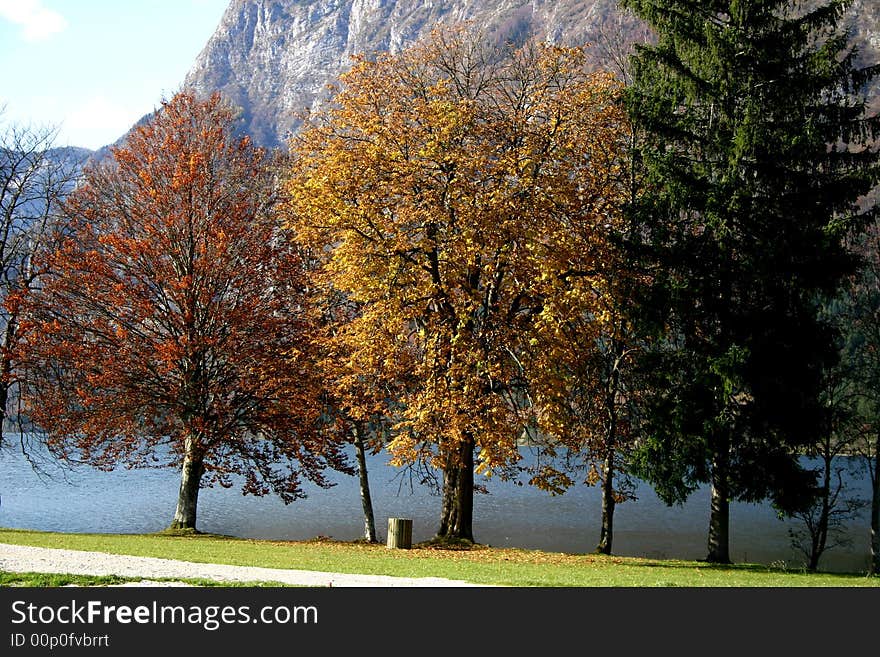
(172, 331)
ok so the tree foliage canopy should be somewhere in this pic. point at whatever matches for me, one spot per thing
(463, 196)
(173, 315)
(34, 179)
(756, 150)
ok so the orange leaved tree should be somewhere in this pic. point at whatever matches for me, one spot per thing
(462, 196)
(171, 331)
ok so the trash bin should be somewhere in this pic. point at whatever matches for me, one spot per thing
(399, 533)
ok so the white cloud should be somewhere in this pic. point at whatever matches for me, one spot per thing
(38, 22)
(98, 122)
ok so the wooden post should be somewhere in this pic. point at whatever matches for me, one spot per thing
(399, 533)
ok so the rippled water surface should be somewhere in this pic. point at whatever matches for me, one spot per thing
(140, 501)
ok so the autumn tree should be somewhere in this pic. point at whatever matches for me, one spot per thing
(34, 179)
(354, 403)
(170, 331)
(596, 392)
(460, 195)
(755, 155)
(601, 390)
(587, 397)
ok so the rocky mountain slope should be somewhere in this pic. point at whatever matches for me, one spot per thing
(274, 58)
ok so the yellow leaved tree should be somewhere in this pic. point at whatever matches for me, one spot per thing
(461, 197)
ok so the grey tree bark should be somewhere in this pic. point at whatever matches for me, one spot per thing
(363, 477)
(190, 480)
(456, 517)
(719, 516)
(874, 567)
(606, 533)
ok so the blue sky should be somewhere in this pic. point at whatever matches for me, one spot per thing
(92, 68)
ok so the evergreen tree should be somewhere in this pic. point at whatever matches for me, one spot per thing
(755, 154)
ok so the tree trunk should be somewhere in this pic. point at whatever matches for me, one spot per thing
(448, 502)
(4, 400)
(457, 513)
(190, 478)
(606, 534)
(719, 517)
(366, 499)
(6, 370)
(874, 566)
(820, 535)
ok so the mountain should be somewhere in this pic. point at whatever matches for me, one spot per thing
(275, 58)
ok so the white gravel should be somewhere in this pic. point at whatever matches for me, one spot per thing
(22, 559)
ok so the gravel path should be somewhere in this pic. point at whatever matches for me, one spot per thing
(22, 559)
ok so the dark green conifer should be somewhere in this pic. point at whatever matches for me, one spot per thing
(755, 154)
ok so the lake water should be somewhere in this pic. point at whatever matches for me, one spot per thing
(141, 501)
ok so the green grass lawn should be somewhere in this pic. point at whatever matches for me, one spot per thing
(479, 564)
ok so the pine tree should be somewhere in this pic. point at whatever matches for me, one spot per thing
(755, 152)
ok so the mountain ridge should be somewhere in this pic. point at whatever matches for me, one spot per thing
(274, 59)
